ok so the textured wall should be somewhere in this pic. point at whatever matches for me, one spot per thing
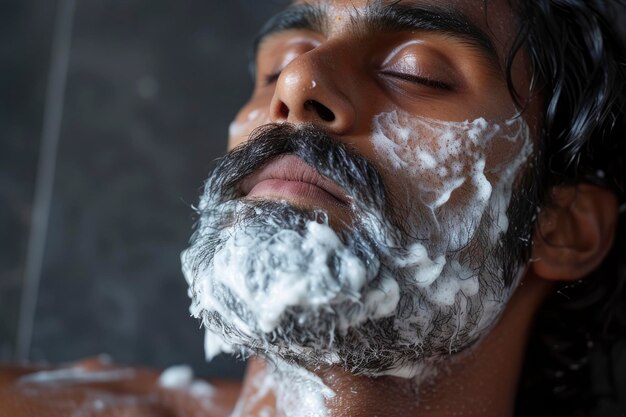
(151, 88)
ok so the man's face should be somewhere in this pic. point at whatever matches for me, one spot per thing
(366, 227)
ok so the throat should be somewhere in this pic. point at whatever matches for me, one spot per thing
(472, 385)
(289, 391)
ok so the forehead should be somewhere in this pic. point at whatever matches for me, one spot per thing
(495, 20)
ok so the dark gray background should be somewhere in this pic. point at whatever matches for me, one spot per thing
(151, 88)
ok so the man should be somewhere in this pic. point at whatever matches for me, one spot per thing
(409, 183)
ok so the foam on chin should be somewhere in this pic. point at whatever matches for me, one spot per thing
(457, 188)
(272, 269)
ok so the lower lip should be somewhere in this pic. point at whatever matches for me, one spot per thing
(294, 191)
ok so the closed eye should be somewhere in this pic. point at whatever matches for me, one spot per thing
(271, 78)
(440, 85)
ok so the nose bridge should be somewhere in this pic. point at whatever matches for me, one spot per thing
(314, 88)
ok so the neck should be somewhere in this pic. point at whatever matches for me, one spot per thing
(482, 382)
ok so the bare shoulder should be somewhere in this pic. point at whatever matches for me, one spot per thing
(94, 388)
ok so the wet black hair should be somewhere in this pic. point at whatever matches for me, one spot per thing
(576, 361)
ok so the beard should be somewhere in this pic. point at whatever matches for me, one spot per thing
(371, 295)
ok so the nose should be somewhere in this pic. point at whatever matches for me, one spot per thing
(307, 92)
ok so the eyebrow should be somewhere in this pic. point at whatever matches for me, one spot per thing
(378, 17)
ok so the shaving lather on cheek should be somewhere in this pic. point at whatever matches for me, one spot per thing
(453, 176)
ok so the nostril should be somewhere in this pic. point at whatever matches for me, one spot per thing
(326, 114)
(284, 110)
(322, 111)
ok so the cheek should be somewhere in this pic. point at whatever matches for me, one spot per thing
(249, 118)
(448, 173)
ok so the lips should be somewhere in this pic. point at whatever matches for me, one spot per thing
(290, 178)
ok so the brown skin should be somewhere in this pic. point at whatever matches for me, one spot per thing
(343, 69)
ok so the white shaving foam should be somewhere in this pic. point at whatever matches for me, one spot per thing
(75, 375)
(444, 167)
(181, 378)
(253, 119)
(298, 393)
(289, 285)
(176, 377)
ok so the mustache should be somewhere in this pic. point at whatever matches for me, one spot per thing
(357, 176)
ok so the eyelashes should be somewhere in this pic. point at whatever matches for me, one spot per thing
(271, 78)
(417, 79)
